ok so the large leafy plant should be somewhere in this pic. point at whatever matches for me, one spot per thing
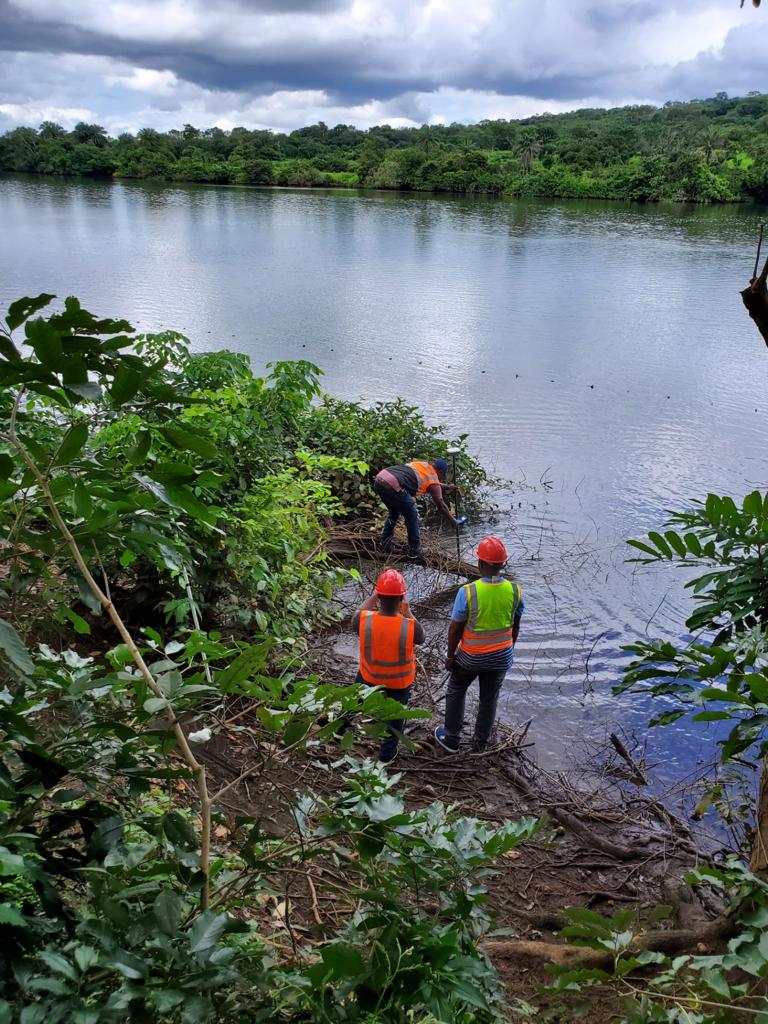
(120, 475)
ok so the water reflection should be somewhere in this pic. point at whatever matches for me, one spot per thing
(599, 346)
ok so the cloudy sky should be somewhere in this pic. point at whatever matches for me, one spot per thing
(280, 64)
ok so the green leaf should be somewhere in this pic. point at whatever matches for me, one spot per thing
(46, 343)
(713, 507)
(14, 649)
(125, 384)
(10, 915)
(646, 548)
(11, 863)
(9, 351)
(59, 964)
(86, 957)
(154, 704)
(753, 505)
(251, 662)
(81, 626)
(180, 498)
(72, 444)
(179, 831)
(342, 961)
(167, 910)
(34, 1014)
(296, 729)
(128, 965)
(758, 685)
(90, 392)
(657, 539)
(22, 309)
(692, 543)
(189, 441)
(206, 931)
(138, 453)
(676, 542)
(82, 500)
(469, 993)
(184, 498)
(581, 915)
(715, 980)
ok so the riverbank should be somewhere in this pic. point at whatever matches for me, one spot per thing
(524, 190)
(706, 151)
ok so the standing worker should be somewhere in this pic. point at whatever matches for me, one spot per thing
(484, 626)
(397, 486)
(388, 633)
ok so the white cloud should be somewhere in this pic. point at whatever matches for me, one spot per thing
(284, 63)
(35, 114)
(159, 83)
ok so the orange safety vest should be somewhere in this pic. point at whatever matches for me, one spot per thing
(491, 609)
(427, 475)
(386, 650)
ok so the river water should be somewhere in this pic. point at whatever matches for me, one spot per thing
(596, 353)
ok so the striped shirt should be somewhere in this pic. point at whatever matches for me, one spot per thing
(498, 661)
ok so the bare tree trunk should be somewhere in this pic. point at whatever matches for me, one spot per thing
(758, 861)
(755, 295)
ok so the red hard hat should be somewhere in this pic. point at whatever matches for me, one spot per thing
(491, 549)
(391, 584)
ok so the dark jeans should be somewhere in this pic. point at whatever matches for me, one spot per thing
(460, 681)
(394, 728)
(399, 503)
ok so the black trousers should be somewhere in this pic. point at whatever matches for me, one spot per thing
(460, 681)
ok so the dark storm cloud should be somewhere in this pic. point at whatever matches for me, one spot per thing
(344, 72)
(557, 51)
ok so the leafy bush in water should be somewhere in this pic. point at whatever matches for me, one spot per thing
(386, 434)
(167, 463)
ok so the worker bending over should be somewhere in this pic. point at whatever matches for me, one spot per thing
(388, 633)
(397, 486)
(484, 626)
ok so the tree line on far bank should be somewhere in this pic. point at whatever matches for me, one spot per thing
(707, 151)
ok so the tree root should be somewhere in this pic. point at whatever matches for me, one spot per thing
(675, 940)
(572, 823)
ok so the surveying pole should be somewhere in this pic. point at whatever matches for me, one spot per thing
(453, 452)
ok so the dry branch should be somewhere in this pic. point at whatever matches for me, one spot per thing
(673, 940)
(571, 822)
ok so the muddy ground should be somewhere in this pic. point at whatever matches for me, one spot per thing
(610, 844)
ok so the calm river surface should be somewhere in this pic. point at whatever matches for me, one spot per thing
(598, 353)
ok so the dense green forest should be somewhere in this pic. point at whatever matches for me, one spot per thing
(713, 150)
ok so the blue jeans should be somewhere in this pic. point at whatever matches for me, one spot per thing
(394, 728)
(399, 503)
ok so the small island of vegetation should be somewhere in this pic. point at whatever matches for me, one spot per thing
(704, 151)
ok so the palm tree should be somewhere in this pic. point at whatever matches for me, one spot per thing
(92, 133)
(528, 153)
(51, 130)
(711, 141)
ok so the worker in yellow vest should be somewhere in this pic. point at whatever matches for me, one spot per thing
(388, 633)
(398, 486)
(485, 623)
